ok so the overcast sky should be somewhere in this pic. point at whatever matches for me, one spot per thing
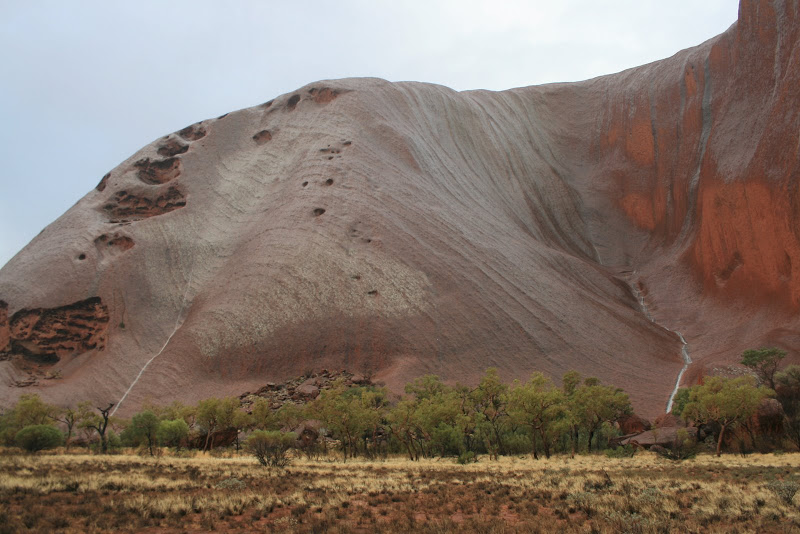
(85, 84)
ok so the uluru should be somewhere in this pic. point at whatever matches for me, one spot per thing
(641, 227)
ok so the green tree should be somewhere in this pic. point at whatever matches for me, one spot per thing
(595, 404)
(172, 411)
(351, 415)
(263, 416)
(787, 385)
(241, 421)
(29, 410)
(429, 421)
(172, 433)
(490, 400)
(215, 415)
(764, 362)
(539, 406)
(727, 402)
(402, 423)
(96, 421)
(70, 418)
(680, 401)
(35, 438)
(144, 427)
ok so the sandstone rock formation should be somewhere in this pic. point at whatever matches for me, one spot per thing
(405, 228)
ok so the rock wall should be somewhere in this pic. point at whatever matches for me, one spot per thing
(404, 229)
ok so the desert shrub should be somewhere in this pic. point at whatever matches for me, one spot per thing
(271, 447)
(467, 458)
(34, 438)
(231, 484)
(784, 489)
(683, 447)
(113, 443)
(624, 451)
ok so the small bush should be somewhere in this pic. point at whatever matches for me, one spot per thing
(785, 489)
(467, 458)
(625, 451)
(231, 484)
(38, 437)
(271, 447)
(683, 448)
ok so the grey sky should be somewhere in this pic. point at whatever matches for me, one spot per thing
(85, 84)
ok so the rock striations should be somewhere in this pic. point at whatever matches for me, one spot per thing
(398, 229)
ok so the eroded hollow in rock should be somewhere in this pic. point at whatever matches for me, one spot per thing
(318, 211)
(172, 147)
(116, 241)
(323, 95)
(46, 334)
(292, 103)
(193, 132)
(103, 182)
(262, 137)
(125, 207)
(159, 171)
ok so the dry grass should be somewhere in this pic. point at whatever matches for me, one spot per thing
(586, 494)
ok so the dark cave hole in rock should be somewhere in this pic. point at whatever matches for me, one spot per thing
(318, 211)
(305, 184)
(193, 132)
(171, 148)
(102, 185)
(292, 103)
(262, 137)
(159, 171)
(329, 181)
(82, 257)
(373, 293)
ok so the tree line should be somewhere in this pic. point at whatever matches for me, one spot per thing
(432, 419)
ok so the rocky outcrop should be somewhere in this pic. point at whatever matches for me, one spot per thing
(303, 389)
(633, 424)
(403, 229)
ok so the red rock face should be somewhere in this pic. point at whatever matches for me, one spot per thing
(402, 229)
(711, 154)
(126, 206)
(160, 171)
(47, 335)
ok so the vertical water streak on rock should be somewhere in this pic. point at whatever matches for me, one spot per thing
(178, 324)
(687, 360)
